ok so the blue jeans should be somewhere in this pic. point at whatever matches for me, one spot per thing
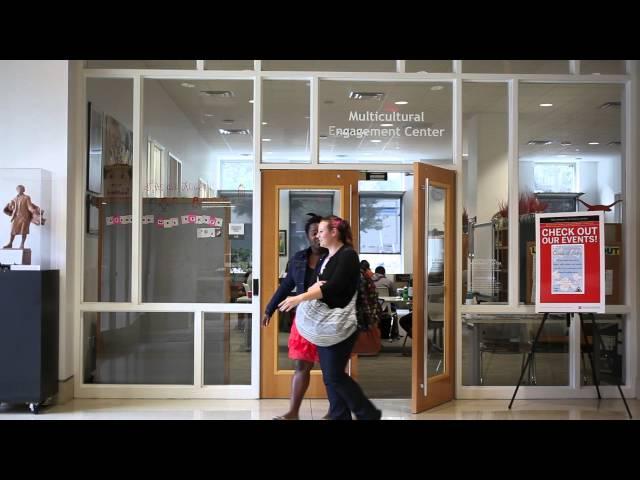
(345, 395)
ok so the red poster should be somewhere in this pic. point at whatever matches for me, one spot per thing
(570, 262)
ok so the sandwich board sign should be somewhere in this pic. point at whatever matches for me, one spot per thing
(570, 273)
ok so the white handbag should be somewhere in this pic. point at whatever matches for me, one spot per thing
(324, 326)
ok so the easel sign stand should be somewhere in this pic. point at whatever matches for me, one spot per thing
(570, 276)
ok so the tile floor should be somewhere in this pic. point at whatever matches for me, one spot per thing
(393, 409)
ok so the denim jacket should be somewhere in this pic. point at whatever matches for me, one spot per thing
(295, 278)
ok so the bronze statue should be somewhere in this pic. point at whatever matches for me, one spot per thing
(22, 212)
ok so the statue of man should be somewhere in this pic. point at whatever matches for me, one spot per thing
(22, 213)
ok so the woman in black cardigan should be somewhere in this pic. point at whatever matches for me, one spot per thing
(338, 282)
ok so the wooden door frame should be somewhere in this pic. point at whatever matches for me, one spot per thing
(441, 388)
(276, 383)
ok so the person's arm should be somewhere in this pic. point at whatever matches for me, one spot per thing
(345, 275)
(314, 293)
(285, 288)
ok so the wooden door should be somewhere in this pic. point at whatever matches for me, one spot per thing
(433, 370)
(313, 189)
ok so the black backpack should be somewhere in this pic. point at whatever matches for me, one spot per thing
(368, 309)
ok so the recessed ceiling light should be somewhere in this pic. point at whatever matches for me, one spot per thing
(227, 120)
(465, 154)
(594, 143)
(375, 141)
(250, 101)
(233, 131)
(436, 88)
(209, 115)
(386, 124)
(187, 85)
(265, 123)
(546, 104)
(217, 93)
(401, 102)
(565, 144)
(307, 117)
(266, 139)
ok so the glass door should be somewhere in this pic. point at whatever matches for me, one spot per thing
(433, 344)
(287, 197)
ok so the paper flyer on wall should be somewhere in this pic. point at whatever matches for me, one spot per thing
(567, 267)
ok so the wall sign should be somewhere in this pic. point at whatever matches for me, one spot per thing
(570, 262)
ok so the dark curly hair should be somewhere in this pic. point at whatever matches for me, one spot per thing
(313, 218)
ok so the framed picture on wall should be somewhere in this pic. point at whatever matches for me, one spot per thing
(282, 243)
(94, 153)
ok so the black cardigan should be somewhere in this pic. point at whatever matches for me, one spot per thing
(342, 274)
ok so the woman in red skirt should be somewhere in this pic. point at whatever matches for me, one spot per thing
(301, 274)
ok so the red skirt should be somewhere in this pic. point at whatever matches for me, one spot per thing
(299, 347)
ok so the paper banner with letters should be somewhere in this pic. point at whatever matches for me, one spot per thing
(208, 232)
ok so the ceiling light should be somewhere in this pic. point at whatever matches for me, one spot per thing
(366, 95)
(266, 139)
(594, 143)
(562, 155)
(565, 144)
(386, 124)
(539, 142)
(375, 141)
(546, 104)
(265, 123)
(401, 102)
(209, 115)
(608, 105)
(465, 154)
(187, 85)
(233, 131)
(217, 93)
(250, 101)
(436, 88)
(227, 120)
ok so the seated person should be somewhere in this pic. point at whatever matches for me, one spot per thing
(380, 279)
(365, 268)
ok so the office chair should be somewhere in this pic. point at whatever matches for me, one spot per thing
(387, 309)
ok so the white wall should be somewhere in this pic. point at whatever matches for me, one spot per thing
(34, 99)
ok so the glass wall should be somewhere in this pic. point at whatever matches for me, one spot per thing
(331, 65)
(607, 345)
(227, 349)
(138, 348)
(391, 122)
(571, 160)
(285, 121)
(187, 253)
(495, 349)
(485, 226)
(516, 66)
(108, 188)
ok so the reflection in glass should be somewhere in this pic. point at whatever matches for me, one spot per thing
(107, 240)
(331, 65)
(485, 228)
(435, 281)
(515, 66)
(367, 122)
(138, 348)
(495, 349)
(293, 208)
(227, 349)
(571, 158)
(188, 253)
(607, 343)
(603, 67)
(285, 121)
(428, 66)
(163, 64)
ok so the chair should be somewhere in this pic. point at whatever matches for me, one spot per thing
(502, 339)
(406, 322)
(387, 309)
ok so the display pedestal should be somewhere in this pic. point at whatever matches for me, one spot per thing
(29, 337)
(15, 256)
